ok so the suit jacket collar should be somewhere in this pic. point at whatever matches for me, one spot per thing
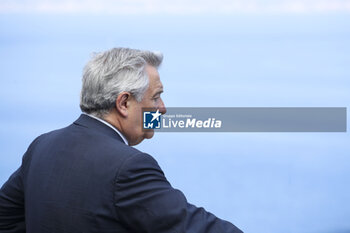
(89, 122)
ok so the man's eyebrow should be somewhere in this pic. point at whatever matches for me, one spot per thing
(158, 92)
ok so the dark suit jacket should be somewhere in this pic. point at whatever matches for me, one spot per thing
(83, 179)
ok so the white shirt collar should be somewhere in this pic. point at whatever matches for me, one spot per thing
(106, 123)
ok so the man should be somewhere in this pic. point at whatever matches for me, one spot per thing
(86, 178)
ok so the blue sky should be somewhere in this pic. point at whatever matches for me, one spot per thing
(239, 54)
(178, 7)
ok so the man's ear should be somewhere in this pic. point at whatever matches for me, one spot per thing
(122, 104)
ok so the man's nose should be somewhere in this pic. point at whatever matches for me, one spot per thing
(162, 108)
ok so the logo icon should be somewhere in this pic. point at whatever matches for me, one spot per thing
(152, 120)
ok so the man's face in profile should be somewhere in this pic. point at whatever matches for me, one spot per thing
(151, 99)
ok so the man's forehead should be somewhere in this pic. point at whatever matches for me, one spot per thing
(158, 87)
(154, 77)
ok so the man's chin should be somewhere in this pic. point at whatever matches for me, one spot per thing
(146, 135)
(149, 134)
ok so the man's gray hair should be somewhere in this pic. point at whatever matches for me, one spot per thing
(114, 71)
